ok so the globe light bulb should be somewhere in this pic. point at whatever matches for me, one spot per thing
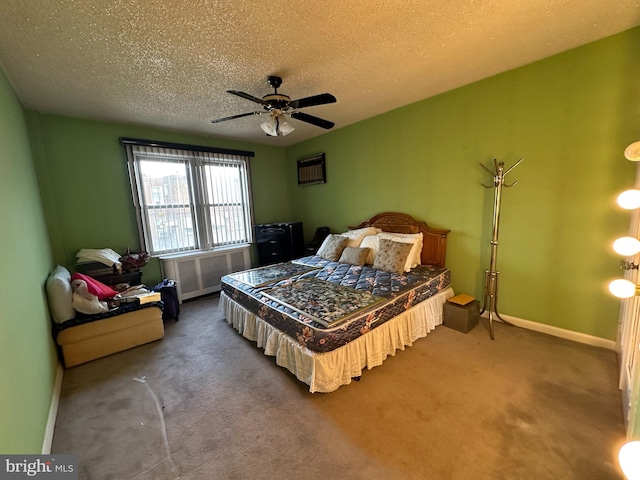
(626, 246)
(629, 199)
(629, 459)
(632, 152)
(622, 288)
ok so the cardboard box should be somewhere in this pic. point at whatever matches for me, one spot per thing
(461, 317)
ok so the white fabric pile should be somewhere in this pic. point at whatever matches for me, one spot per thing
(105, 256)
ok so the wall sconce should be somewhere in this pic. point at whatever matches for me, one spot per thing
(629, 460)
(627, 246)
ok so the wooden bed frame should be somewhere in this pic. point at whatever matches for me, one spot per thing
(434, 241)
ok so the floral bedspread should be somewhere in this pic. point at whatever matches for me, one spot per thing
(393, 294)
(258, 277)
(323, 302)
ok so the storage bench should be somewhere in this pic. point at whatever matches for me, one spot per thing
(94, 339)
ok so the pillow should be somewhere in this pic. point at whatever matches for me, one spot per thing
(354, 255)
(332, 247)
(356, 236)
(95, 287)
(415, 239)
(361, 232)
(371, 244)
(392, 256)
(59, 295)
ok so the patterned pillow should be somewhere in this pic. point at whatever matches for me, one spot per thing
(354, 255)
(332, 247)
(413, 238)
(391, 256)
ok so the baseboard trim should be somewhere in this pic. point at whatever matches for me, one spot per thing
(558, 332)
(53, 411)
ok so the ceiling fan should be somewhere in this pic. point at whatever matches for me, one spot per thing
(278, 105)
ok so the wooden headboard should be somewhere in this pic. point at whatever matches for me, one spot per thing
(434, 241)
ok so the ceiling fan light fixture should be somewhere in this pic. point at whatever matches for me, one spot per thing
(274, 126)
(285, 128)
(270, 127)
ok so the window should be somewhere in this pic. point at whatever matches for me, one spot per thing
(189, 198)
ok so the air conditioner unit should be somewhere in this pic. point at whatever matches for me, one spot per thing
(199, 273)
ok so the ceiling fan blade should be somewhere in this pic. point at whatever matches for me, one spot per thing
(321, 99)
(235, 116)
(246, 96)
(318, 122)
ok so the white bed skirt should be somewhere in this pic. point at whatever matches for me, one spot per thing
(325, 372)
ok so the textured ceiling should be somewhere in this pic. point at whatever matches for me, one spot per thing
(168, 63)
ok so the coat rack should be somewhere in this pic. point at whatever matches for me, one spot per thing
(490, 302)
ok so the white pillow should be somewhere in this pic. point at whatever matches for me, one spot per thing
(370, 242)
(59, 295)
(413, 238)
(355, 236)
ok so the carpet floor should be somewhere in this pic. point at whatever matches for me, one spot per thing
(205, 403)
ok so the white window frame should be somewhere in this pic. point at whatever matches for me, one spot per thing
(231, 194)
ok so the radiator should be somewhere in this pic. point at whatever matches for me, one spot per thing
(199, 273)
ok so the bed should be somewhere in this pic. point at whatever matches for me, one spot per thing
(327, 317)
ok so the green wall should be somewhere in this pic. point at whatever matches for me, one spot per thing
(27, 353)
(85, 181)
(569, 116)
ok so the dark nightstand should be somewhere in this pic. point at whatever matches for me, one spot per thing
(279, 242)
